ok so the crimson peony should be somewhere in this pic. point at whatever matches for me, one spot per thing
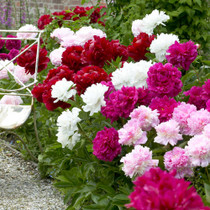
(43, 21)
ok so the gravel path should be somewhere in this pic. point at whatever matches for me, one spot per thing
(21, 187)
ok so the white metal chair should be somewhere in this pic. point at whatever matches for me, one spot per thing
(13, 116)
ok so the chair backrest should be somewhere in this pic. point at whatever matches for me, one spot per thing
(13, 116)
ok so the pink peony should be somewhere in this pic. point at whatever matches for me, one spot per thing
(138, 161)
(206, 131)
(56, 56)
(132, 134)
(164, 80)
(208, 105)
(168, 132)
(182, 54)
(20, 73)
(165, 107)
(105, 144)
(198, 149)
(177, 159)
(12, 100)
(181, 113)
(120, 103)
(160, 190)
(197, 121)
(146, 117)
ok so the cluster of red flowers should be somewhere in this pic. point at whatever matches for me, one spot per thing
(74, 14)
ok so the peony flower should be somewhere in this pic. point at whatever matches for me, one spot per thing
(28, 59)
(182, 55)
(11, 100)
(138, 161)
(146, 117)
(105, 144)
(160, 45)
(97, 52)
(149, 22)
(131, 74)
(198, 149)
(19, 72)
(178, 160)
(67, 128)
(61, 33)
(208, 105)
(168, 132)
(2, 42)
(138, 47)
(43, 21)
(197, 121)
(132, 134)
(63, 90)
(4, 56)
(181, 114)
(27, 35)
(165, 107)
(89, 75)
(3, 69)
(71, 57)
(158, 190)
(94, 98)
(144, 96)
(120, 103)
(164, 80)
(56, 56)
(12, 44)
(206, 131)
(13, 53)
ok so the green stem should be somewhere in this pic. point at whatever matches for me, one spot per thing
(207, 174)
(83, 132)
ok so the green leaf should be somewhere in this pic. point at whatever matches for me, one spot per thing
(106, 188)
(207, 191)
(120, 200)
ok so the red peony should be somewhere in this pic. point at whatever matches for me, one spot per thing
(71, 57)
(43, 21)
(144, 96)
(89, 75)
(138, 47)
(97, 52)
(28, 59)
(160, 190)
(164, 80)
(118, 50)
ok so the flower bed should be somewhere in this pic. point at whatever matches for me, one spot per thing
(132, 122)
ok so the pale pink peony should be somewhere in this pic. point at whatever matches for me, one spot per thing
(206, 131)
(56, 56)
(12, 100)
(26, 35)
(4, 70)
(146, 117)
(20, 73)
(181, 113)
(198, 149)
(197, 121)
(60, 33)
(138, 161)
(177, 159)
(168, 132)
(132, 134)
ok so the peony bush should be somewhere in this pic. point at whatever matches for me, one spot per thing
(121, 126)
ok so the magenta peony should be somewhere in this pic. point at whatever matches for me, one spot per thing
(164, 80)
(13, 44)
(2, 42)
(182, 54)
(159, 190)
(165, 107)
(105, 145)
(120, 103)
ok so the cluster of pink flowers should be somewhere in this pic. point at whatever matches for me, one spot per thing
(157, 189)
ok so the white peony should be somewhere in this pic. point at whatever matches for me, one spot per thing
(56, 56)
(67, 128)
(94, 98)
(63, 90)
(26, 35)
(149, 22)
(160, 45)
(61, 33)
(131, 74)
